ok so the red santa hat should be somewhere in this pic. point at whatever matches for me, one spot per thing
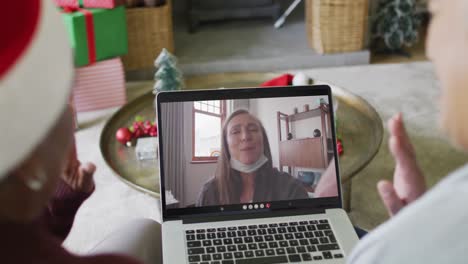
(36, 73)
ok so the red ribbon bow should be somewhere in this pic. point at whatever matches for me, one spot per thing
(89, 21)
(69, 9)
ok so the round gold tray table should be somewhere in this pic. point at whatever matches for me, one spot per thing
(358, 124)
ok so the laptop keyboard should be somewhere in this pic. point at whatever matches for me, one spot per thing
(267, 243)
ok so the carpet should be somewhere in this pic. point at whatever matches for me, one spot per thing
(408, 88)
(249, 45)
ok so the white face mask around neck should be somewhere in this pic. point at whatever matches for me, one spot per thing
(248, 168)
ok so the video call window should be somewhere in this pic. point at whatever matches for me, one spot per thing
(284, 142)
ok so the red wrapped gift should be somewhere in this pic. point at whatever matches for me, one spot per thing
(96, 34)
(99, 86)
(89, 3)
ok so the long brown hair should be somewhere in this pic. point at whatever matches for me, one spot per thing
(228, 180)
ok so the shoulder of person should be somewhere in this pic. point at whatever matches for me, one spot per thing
(433, 229)
(210, 185)
(284, 176)
(208, 193)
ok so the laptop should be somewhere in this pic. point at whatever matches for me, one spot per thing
(251, 175)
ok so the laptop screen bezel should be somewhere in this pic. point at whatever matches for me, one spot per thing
(245, 93)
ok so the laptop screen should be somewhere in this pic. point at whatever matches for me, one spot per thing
(238, 152)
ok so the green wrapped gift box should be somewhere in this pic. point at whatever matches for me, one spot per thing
(96, 34)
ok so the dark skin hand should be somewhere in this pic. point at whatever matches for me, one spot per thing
(77, 175)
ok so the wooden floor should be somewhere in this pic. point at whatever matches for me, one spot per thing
(417, 53)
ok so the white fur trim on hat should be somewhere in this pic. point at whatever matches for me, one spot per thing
(35, 91)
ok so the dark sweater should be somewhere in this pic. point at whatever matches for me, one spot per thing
(282, 185)
(40, 241)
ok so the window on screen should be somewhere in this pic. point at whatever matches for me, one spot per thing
(207, 121)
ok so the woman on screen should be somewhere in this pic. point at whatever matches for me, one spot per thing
(245, 172)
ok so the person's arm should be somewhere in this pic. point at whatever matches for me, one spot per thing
(298, 192)
(290, 187)
(327, 186)
(60, 213)
(75, 186)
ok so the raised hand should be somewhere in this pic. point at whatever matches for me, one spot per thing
(408, 180)
(327, 187)
(79, 176)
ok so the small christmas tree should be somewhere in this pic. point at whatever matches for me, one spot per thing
(396, 24)
(168, 77)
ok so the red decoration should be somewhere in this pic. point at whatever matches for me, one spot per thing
(89, 3)
(90, 37)
(123, 135)
(283, 80)
(339, 146)
(20, 20)
(144, 129)
(139, 128)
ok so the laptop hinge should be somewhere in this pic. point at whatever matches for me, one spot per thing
(231, 217)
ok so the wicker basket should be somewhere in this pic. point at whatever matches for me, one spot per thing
(336, 25)
(149, 31)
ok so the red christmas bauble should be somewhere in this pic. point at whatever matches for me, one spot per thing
(123, 135)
